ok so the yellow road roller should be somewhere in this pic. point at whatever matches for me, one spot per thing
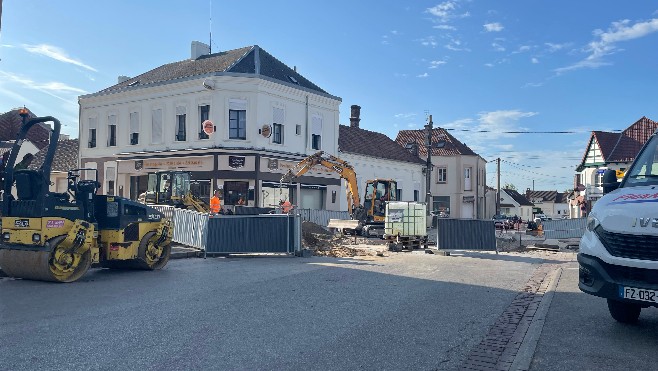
(51, 236)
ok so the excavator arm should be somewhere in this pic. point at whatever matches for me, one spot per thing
(333, 163)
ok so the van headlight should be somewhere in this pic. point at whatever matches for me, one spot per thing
(592, 223)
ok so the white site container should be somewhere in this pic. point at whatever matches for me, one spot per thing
(405, 218)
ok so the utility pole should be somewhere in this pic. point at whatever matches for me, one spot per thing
(498, 193)
(428, 165)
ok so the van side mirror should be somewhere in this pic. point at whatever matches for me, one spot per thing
(610, 181)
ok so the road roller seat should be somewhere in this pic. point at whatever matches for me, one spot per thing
(28, 184)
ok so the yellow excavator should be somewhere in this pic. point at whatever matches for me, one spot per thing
(371, 214)
(172, 188)
(51, 236)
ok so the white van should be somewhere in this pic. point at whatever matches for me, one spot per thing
(619, 251)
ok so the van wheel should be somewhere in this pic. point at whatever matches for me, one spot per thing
(624, 312)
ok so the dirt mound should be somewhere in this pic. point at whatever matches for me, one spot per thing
(312, 228)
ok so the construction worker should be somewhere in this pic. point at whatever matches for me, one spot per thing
(215, 203)
(286, 206)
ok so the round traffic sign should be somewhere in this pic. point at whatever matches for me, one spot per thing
(208, 127)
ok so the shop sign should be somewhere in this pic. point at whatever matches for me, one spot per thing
(272, 164)
(139, 164)
(266, 131)
(236, 161)
(468, 199)
(171, 163)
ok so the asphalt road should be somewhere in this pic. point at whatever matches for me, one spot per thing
(407, 311)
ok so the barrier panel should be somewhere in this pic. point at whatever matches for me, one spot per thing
(190, 228)
(564, 228)
(465, 234)
(268, 233)
(321, 217)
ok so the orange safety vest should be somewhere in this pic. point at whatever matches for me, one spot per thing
(215, 204)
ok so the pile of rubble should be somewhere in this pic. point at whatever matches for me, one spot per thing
(324, 243)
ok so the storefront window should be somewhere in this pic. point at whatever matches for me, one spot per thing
(441, 206)
(234, 191)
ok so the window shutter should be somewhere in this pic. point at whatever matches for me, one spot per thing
(157, 126)
(112, 120)
(180, 110)
(237, 104)
(92, 123)
(316, 127)
(278, 115)
(134, 122)
(110, 173)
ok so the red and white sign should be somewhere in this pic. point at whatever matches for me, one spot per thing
(208, 127)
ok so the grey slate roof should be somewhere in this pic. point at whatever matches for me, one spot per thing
(251, 60)
(521, 199)
(365, 142)
(66, 156)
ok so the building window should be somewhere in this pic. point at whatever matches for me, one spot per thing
(598, 179)
(237, 124)
(181, 131)
(441, 206)
(467, 179)
(112, 131)
(234, 190)
(398, 194)
(316, 133)
(298, 129)
(442, 175)
(134, 128)
(277, 133)
(92, 132)
(110, 174)
(416, 195)
(156, 126)
(204, 114)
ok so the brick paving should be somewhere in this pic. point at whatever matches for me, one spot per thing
(501, 344)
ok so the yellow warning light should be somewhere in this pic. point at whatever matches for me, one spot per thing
(620, 173)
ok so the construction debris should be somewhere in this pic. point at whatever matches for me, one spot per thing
(325, 243)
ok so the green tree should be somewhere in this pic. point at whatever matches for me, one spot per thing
(509, 186)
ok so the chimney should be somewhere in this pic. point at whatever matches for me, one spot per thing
(199, 49)
(355, 116)
(122, 78)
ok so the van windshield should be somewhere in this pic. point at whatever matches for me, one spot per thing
(645, 168)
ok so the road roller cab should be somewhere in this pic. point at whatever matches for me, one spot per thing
(54, 236)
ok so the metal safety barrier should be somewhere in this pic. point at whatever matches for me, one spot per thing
(190, 227)
(268, 233)
(321, 217)
(564, 228)
(465, 234)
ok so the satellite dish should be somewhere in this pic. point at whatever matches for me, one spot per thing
(209, 84)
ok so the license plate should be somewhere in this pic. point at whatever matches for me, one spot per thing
(638, 294)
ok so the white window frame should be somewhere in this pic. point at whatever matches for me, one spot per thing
(93, 128)
(111, 121)
(134, 128)
(442, 174)
(468, 178)
(316, 132)
(180, 111)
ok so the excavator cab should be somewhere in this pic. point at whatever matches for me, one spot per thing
(378, 191)
(167, 188)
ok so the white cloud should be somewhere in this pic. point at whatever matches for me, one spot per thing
(436, 64)
(53, 86)
(493, 27)
(605, 42)
(522, 49)
(497, 47)
(445, 27)
(423, 75)
(456, 45)
(429, 41)
(446, 11)
(56, 53)
(533, 85)
(489, 64)
(404, 116)
(534, 60)
(552, 47)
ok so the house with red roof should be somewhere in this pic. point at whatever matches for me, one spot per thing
(458, 174)
(606, 150)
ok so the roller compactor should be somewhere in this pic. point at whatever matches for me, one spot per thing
(51, 236)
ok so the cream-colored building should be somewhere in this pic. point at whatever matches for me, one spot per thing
(237, 120)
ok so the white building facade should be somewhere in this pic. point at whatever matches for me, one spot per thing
(261, 116)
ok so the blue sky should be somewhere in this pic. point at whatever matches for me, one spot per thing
(475, 65)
